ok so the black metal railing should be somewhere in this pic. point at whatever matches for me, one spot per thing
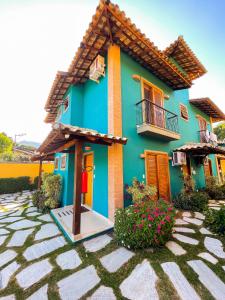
(150, 113)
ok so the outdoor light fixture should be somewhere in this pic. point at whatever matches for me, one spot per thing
(67, 136)
(87, 148)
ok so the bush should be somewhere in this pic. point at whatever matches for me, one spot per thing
(140, 191)
(144, 224)
(49, 195)
(14, 185)
(194, 201)
(213, 189)
(215, 220)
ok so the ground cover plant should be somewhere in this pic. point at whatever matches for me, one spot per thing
(215, 220)
(193, 201)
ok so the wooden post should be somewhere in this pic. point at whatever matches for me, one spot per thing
(39, 176)
(77, 188)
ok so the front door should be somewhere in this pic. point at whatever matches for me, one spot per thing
(208, 168)
(88, 166)
(157, 173)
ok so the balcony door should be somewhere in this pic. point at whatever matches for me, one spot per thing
(203, 127)
(157, 173)
(154, 113)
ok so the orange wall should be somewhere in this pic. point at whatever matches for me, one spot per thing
(9, 170)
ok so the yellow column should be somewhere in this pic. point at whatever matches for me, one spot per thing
(115, 152)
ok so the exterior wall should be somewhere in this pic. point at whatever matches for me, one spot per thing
(11, 169)
(131, 94)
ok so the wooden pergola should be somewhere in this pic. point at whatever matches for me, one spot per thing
(110, 25)
(61, 139)
(201, 149)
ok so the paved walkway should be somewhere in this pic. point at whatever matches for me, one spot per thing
(36, 262)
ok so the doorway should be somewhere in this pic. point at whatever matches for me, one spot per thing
(89, 166)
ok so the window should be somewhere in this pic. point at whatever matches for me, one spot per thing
(63, 162)
(183, 112)
(66, 104)
(56, 163)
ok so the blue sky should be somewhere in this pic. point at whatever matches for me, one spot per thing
(39, 37)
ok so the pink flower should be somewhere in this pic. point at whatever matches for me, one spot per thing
(143, 216)
(170, 208)
(150, 218)
(167, 218)
(162, 222)
(140, 226)
(149, 225)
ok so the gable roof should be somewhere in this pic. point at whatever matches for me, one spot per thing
(209, 108)
(185, 57)
(110, 25)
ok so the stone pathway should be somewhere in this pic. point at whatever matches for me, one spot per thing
(36, 260)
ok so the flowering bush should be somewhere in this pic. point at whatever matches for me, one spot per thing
(141, 191)
(144, 224)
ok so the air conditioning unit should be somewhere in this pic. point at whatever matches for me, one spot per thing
(179, 158)
(97, 68)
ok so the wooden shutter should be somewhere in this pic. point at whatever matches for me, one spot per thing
(158, 111)
(151, 171)
(163, 176)
(208, 168)
(183, 111)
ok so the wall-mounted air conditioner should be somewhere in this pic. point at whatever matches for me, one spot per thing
(179, 159)
(97, 68)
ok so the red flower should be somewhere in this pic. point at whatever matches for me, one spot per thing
(150, 218)
(143, 216)
(140, 226)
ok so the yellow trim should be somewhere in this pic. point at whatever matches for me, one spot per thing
(145, 81)
(92, 154)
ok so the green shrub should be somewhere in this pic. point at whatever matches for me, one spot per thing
(38, 200)
(140, 191)
(144, 224)
(14, 185)
(194, 201)
(214, 190)
(51, 187)
(215, 220)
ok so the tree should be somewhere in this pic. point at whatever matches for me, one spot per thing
(220, 131)
(6, 143)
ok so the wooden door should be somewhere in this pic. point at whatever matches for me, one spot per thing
(208, 168)
(157, 173)
(203, 128)
(158, 110)
(88, 165)
(147, 106)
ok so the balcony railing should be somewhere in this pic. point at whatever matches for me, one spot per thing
(206, 136)
(153, 114)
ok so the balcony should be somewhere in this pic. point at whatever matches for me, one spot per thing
(154, 120)
(205, 136)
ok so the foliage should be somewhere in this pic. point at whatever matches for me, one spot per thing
(213, 189)
(49, 195)
(215, 220)
(144, 224)
(6, 143)
(140, 191)
(14, 185)
(194, 201)
(219, 130)
(15, 157)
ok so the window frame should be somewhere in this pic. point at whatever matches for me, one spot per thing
(66, 100)
(63, 157)
(184, 106)
(56, 160)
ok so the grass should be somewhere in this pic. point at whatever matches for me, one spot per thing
(113, 280)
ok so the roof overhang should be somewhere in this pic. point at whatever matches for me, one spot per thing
(62, 137)
(207, 106)
(185, 57)
(110, 25)
(200, 149)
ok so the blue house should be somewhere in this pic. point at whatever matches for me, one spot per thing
(122, 110)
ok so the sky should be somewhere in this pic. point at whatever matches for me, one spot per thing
(40, 37)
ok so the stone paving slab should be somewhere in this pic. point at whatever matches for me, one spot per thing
(78, 284)
(97, 243)
(207, 256)
(103, 293)
(33, 214)
(33, 273)
(68, 260)
(179, 281)
(2, 239)
(11, 219)
(19, 237)
(6, 257)
(31, 209)
(43, 248)
(199, 215)
(205, 231)
(183, 229)
(23, 224)
(114, 260)
(9, 297)
(175, 248)
(46, 218)
(141, 283)
(47, 231)
(193, 221)
(214, 246)
(186, 214)
(6, 274)
(41, 294)
(181, 222)
(185, 239)
(208, 278)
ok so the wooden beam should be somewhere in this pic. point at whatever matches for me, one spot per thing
(39, 176)
(77, 188)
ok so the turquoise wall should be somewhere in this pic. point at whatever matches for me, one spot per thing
(131, 94)
(88, 108)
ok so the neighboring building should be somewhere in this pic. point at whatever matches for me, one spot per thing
(144, 97)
